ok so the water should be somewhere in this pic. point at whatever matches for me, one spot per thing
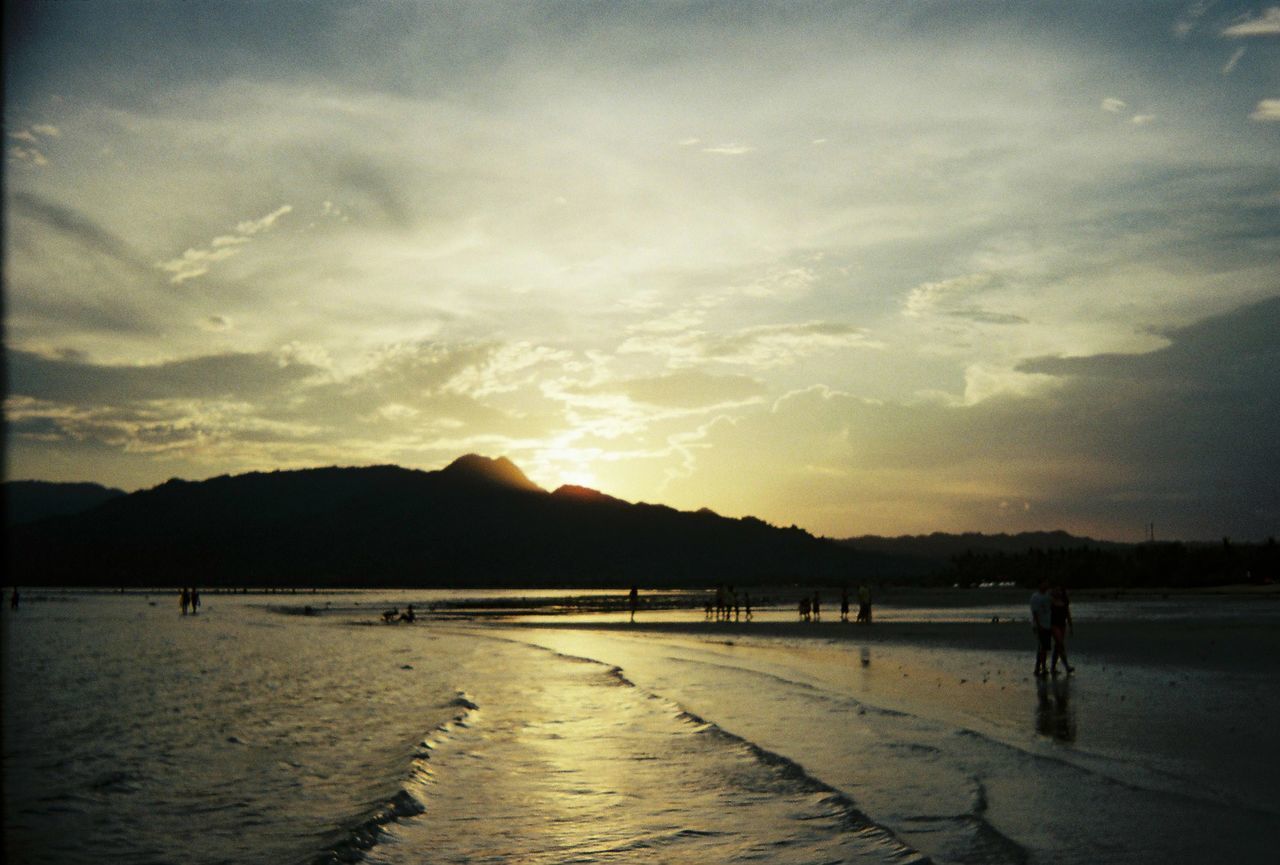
(250, 733)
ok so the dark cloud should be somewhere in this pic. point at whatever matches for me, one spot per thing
(247, 377)
(77, 226)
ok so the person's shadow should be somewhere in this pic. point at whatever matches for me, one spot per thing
(1054, 714)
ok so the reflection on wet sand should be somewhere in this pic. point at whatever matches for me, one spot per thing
(1055, 715)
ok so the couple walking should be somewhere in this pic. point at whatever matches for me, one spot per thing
(1051, 620)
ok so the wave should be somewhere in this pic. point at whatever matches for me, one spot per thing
(367, 829)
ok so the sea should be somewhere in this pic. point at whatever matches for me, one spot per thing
(304, 729)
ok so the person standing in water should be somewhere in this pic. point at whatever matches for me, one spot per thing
(195, 600)
(185, 600)
(1059, 625)
(633, 601)
(1041, 616)
(864, 603)
(13, 599)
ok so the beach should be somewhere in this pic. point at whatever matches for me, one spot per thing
(305, 730)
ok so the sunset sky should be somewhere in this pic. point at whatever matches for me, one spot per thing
(865, 268)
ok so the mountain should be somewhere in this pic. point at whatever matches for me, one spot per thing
(478, 522)
(28, 501)
(933, 551)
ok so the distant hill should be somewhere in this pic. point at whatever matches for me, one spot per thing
(478, 522)
(28, 501)
(933, 551)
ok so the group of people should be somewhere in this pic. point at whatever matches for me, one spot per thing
(1051, 621)
(810, 609)
(394, 615)
(728, 605)
(190, 601)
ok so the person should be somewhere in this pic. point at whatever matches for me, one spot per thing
(844, 603)
(185, 600)
(804, 609)
(408, 615)
(195, 600)
(817, 607)
(633, 601)
(746, 604)
(13, 599)
(390, 616)
(1041, 611)
(864, 603)
(1059, 625)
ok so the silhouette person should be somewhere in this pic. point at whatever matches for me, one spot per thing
(817, 607)
(1059, 624)
(804, 609)
(408, 615)
(844, 603)
(13, 599)
(1041, 616)
(746, 604)
(195, 601)
(864, 603)
(633, 601)
(185, 600)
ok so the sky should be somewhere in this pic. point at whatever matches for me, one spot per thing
(866, 268)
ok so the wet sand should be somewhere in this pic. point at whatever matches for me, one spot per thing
(1175, 706)
(1237, 647)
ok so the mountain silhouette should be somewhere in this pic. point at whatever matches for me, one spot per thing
(28, 501)
(478, 522)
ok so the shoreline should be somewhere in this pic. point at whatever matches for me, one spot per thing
(1237, 647)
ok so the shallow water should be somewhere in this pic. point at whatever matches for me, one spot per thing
(245, 734)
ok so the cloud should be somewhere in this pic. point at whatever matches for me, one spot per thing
(953, 298)
(782, 344)
(76, 225)
(250, 227)
(687, 389)
(1171, 435)
(47, 130)
(1267, 24)
(1268, 110)
(1232, 61)
(1142, 119)
(733, 149)
(222, 376)
(28, 156)
(759, 346)
(1189, 18)
(1114, 105)
(197, 261)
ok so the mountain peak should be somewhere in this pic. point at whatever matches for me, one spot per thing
(500, 471)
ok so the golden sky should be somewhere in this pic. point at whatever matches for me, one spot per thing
(865, 268)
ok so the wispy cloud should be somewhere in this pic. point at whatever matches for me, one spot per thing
(1189, 18)
(954, 298)
(1230, 65)
(733, 149)
(1268, 110)
(197, 261)
(1114, 105)
(1267, 24)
